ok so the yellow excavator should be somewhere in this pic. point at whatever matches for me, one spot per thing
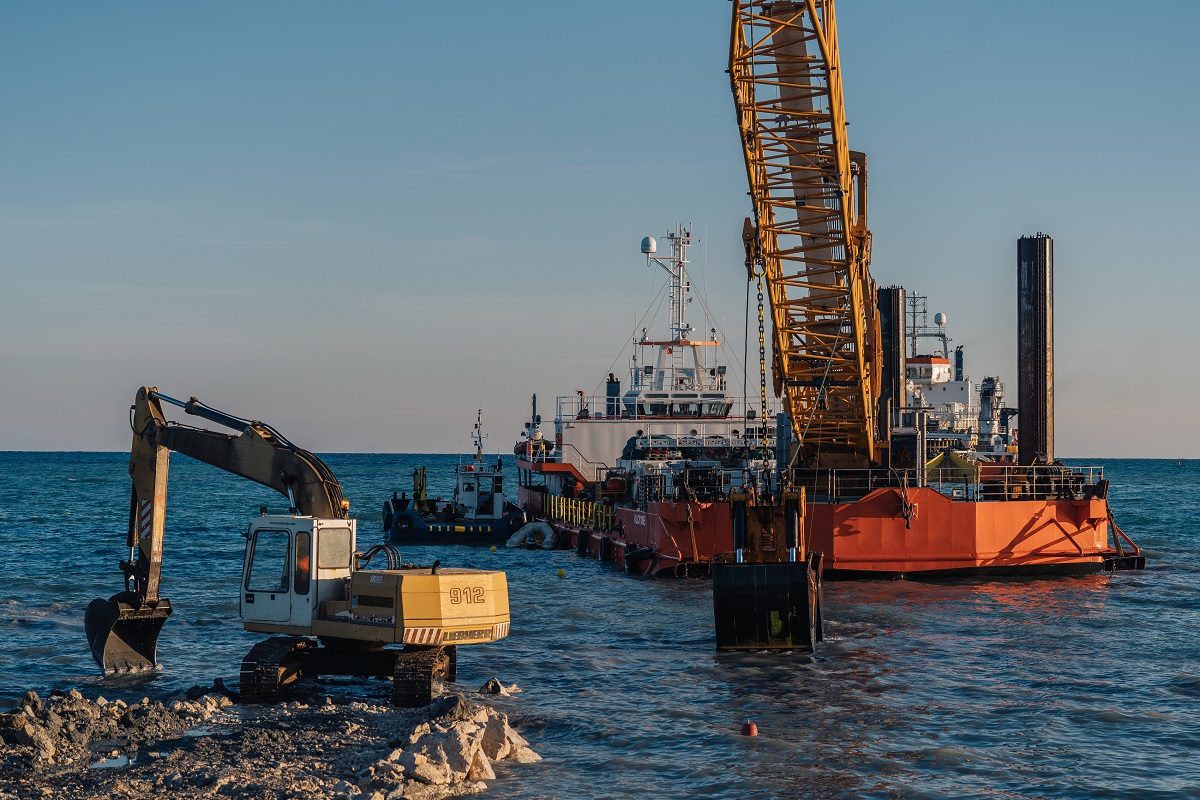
(302, 577)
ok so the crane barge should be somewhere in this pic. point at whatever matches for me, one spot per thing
(660, 484)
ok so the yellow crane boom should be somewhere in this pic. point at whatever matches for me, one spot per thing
(810, 237)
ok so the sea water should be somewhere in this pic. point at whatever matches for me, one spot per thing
(1073, 687)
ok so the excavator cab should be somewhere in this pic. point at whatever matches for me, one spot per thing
(293, 565)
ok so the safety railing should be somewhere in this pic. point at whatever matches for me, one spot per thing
(600, 406)
(981, 482)
(544, 452)
(579, 513)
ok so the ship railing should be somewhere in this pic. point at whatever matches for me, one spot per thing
(590, 470)
(579, 513)
(542, 453)
(986, 482)
(601, 406)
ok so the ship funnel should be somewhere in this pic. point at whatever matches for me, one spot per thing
(649, 246)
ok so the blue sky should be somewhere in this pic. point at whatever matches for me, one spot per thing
(362, 221)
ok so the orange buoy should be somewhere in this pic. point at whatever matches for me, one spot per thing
(749, 728)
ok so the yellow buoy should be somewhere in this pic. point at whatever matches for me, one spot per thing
(562, 573)
(493, 548)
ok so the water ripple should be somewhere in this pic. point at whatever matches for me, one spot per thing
(1076, 688)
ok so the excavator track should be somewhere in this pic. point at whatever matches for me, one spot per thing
(417, 671)
(271, 666)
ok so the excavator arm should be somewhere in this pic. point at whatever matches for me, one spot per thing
(123, 630)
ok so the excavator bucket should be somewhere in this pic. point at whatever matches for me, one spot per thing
(124, 636)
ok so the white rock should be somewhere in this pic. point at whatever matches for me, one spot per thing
(449, 754)
(515, 740)
(418, 732)
(481, 768)
(496, 744)
(526, 756)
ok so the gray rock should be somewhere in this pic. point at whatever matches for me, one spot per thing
(14, 721)
(39, 739)
(53, 722)
(32, 701)
(452, 708)
(494, 686)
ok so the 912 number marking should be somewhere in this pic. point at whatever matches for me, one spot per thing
(468, 594)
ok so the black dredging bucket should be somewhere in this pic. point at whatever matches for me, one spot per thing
(773, 605)
(122, 631)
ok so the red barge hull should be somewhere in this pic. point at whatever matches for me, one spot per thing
(873, 537)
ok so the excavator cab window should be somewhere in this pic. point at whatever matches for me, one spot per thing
(334, 549)
(303, 569)
(269, 567)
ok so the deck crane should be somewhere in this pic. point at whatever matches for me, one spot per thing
(808, 239)
(809, 242)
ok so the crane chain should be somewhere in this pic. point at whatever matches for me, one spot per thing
(762, 354)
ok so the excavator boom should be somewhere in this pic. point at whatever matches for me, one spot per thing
(122, 631)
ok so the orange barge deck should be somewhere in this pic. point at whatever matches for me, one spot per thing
(889, 533)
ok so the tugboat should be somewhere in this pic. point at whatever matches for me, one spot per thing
(478, 513)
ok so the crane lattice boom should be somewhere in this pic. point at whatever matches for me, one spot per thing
(812, 240)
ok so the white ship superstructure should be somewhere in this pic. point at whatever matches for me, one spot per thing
(675, 414)
(960, 415)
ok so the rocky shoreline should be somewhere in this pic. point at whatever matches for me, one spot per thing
(205, 744)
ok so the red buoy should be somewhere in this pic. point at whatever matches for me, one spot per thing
(749, 728)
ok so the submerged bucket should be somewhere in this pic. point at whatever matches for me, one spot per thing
(768, 605)
(123, 637)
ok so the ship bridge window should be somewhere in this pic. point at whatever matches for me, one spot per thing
(657, 409)
(685, 409)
